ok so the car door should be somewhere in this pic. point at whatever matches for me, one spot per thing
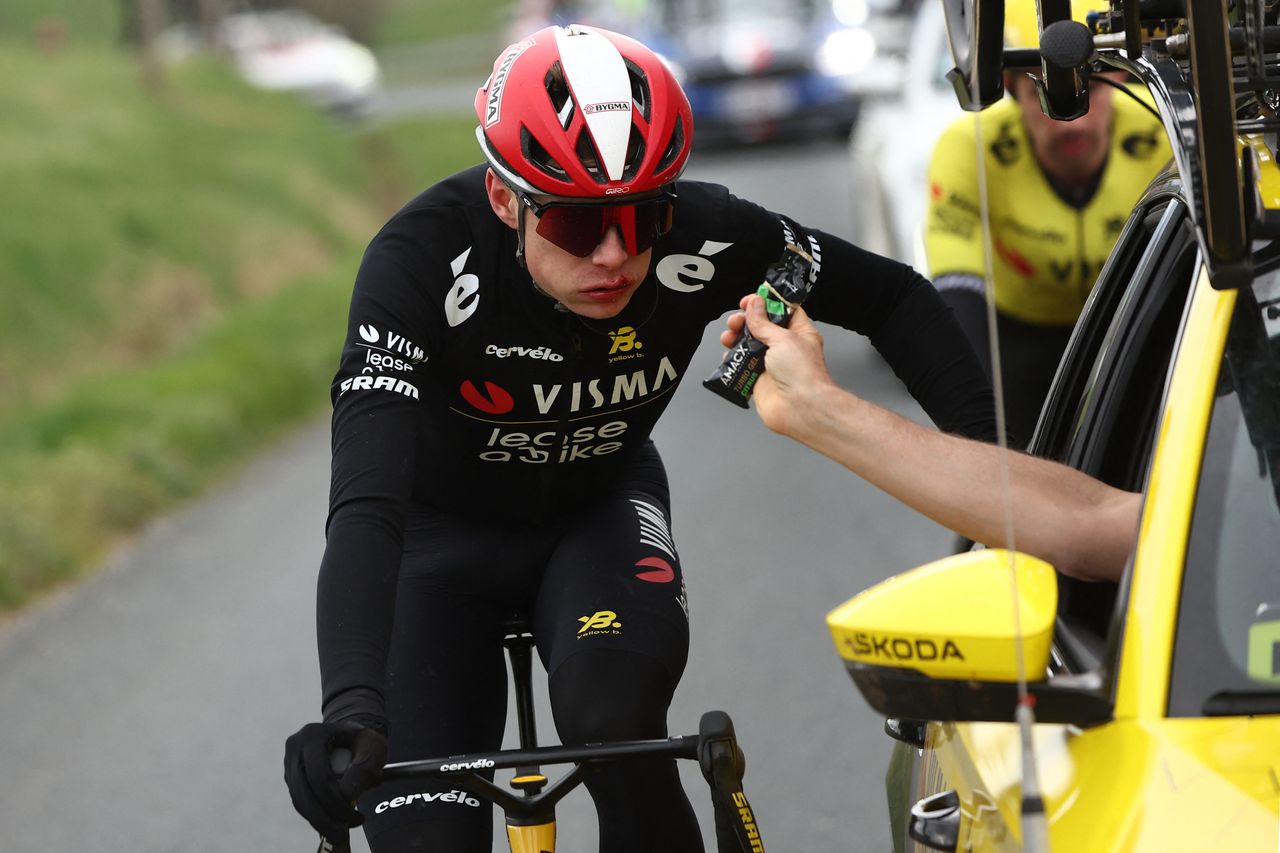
(1101, 417)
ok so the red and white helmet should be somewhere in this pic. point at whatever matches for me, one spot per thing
(583, 112)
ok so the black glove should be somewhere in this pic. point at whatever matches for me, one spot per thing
(322, 789)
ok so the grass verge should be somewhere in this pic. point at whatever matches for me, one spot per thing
(175, 288)
(84, 471)
(412, 21)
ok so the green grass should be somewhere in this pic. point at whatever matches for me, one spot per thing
(399, 22)
(415, 21)
(421, 151)
(141, 219)
(108, 455)
(85, 21)
(155, 252)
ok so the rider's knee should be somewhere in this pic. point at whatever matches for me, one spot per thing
(610, 694)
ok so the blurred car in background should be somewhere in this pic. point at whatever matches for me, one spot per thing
(291, 51)
(754, 70)
(894, 140)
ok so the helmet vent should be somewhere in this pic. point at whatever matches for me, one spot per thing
(558, 91)
(537, 155)
(641, 102)
(635, 154)
(674, 147)
(590, 160)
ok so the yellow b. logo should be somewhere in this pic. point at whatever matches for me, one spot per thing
(624, 340)
(600, 619)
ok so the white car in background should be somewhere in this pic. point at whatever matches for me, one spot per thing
(289, 50)
(894, 138)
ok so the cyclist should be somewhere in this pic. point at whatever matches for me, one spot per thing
(1058, 193)
(515, 331)
(1081, 525)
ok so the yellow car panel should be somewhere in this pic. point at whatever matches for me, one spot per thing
(1143, 686)
(1268, 184)
(1194, 784)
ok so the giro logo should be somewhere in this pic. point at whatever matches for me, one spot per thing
(599, 622)
(463, 298)
(459, 797)
(689, 273)
(660, 570)
(495, 400)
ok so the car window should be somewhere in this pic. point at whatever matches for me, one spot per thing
(1144, 239)
(1119, 418)
(1103, 409)
(1227, 646)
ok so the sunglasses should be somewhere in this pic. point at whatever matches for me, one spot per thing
(578, 227)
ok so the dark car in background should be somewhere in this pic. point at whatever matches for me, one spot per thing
(756, 70)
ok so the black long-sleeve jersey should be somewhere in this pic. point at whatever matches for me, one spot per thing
(463, 387)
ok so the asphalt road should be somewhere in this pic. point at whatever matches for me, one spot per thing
(145, 710)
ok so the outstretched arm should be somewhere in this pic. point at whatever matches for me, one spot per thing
(1082, 526)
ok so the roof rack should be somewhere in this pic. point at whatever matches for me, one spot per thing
(1214, 74)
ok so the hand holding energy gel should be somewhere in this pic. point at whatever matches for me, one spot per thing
(785, 286)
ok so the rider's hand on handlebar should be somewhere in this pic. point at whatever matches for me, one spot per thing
(328, 765)
(794, 367)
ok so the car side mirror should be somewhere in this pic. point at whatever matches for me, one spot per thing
(975, 33)
(941, 642)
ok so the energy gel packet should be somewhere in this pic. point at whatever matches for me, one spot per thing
(786, 285)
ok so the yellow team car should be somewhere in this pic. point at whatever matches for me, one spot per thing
(1156, 700)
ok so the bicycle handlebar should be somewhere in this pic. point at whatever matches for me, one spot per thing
(715, 748)
(676, 747)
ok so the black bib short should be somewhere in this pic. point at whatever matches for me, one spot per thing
(604, 588)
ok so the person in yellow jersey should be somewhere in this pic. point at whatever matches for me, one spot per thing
(1058, 194)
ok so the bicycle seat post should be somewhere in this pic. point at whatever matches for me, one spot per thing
(518, 640)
